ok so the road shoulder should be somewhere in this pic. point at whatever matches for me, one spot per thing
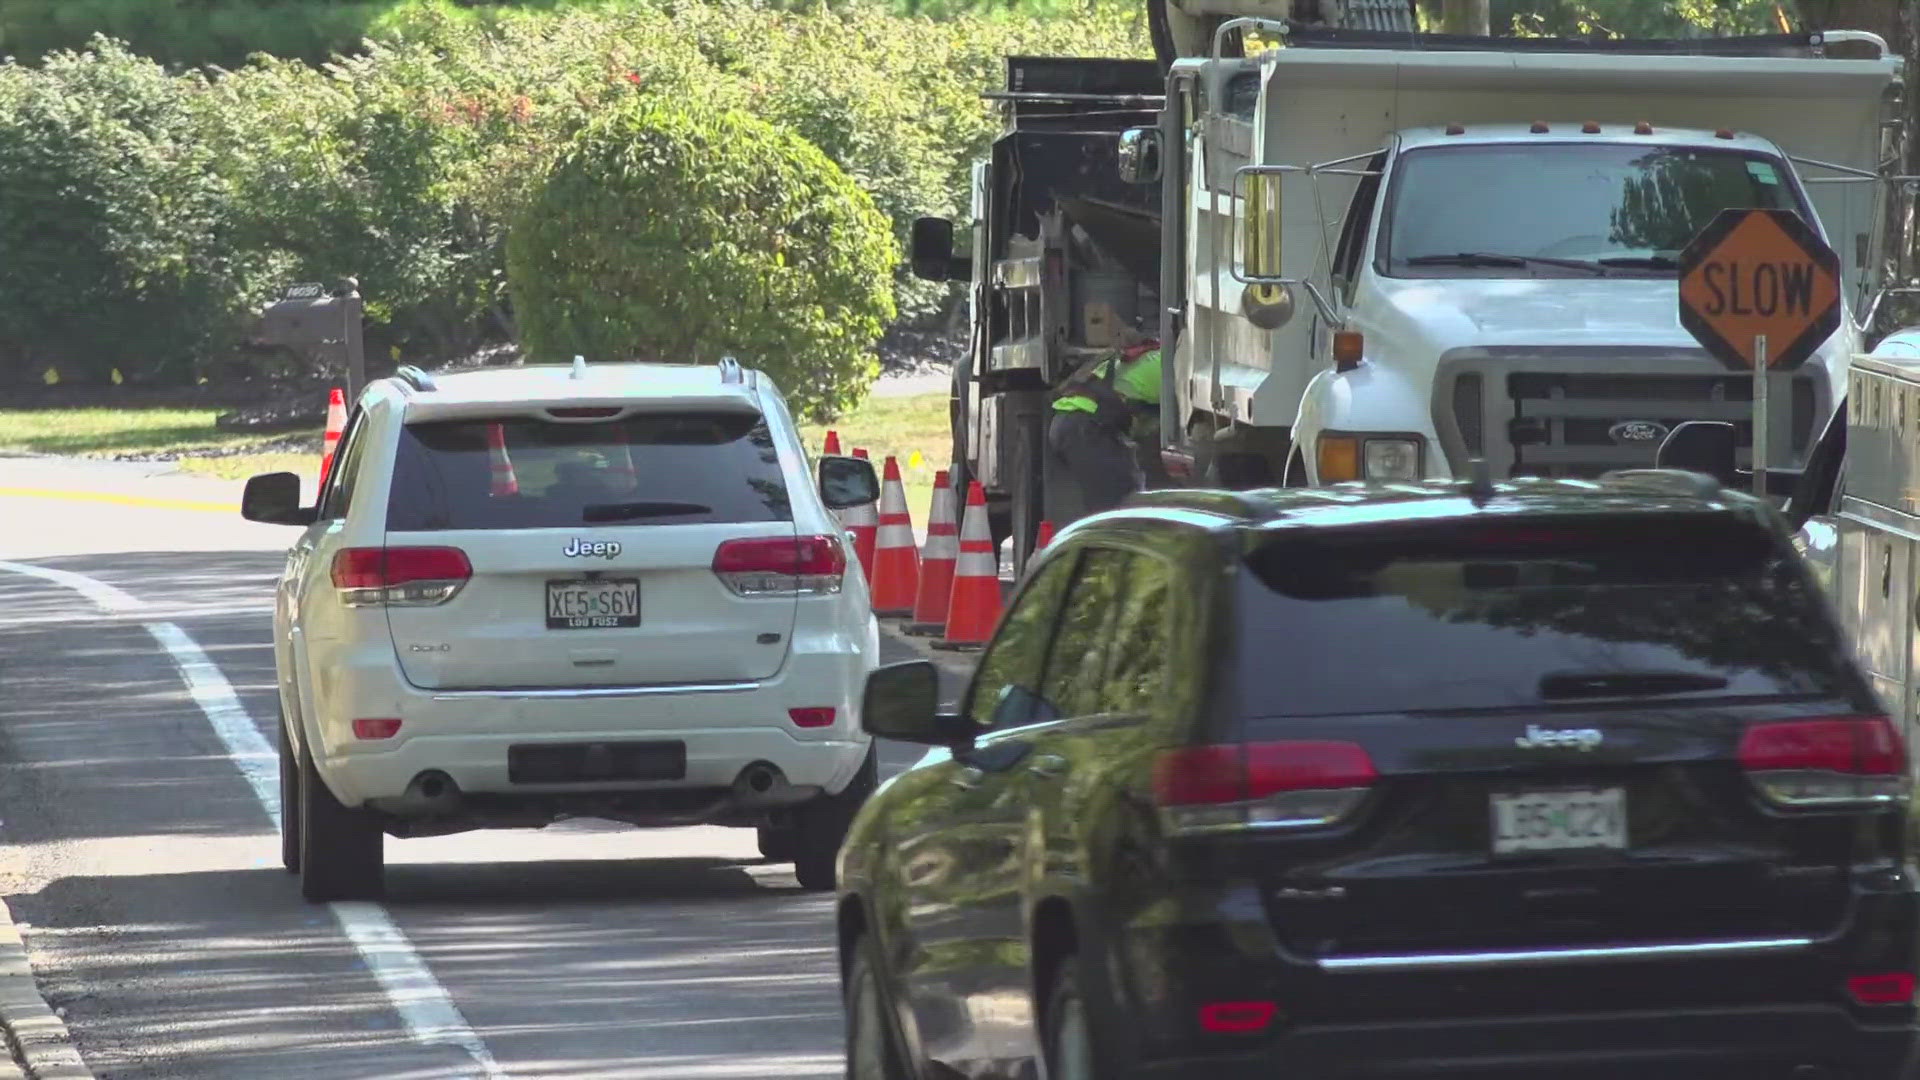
(37, 1038)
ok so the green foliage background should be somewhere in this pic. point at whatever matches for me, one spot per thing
(145, 209)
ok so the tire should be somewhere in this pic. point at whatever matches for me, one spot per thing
(1071, 1050)
(778, 842)
(341, 848)
(289, 802)
(821, 827)
(873, 1047)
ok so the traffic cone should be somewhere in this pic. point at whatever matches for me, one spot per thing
(936, 562)
(975, 604)
(1044, 538)
(832, 448)
(896, 562)
(864, 524)
(504, 482)
(336, 422)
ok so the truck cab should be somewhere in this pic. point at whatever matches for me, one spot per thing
(1405, 255)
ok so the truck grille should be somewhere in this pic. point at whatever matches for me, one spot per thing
(1534, 413)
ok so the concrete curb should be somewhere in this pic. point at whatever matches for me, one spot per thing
(41, 1047)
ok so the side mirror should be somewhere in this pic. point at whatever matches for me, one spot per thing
(1140, 155)
(1259, 239)
(932, 256)
(902, 702)
(848, 481)
(274, 499)
(1702, 446)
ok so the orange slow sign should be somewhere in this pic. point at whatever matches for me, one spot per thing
(1755, 272)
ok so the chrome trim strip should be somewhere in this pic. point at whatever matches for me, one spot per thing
(1527, 957)
(596, 692)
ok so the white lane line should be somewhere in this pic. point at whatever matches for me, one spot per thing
(424, 1006)
(104, 596)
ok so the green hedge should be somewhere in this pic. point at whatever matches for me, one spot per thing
(144, 212)
(672, 232)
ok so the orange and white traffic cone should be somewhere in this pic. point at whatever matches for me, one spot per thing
(975, 605)
(504, 482)
(336, 423)
(864, 523)
(936, 562)
(832, 447)
(896, 562)
(1044, 538)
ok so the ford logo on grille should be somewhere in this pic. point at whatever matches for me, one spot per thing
(1637, 431)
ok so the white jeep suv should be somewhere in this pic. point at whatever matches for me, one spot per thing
(609, 591)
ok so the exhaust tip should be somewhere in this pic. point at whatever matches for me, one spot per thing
(433, 785)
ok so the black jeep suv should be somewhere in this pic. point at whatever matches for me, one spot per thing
(1544, 779)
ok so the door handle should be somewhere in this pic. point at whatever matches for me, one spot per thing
(968, 778)
(1048, 765)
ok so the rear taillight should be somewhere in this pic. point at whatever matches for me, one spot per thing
(1882, 988)
(781, 565)
(376, 727)
(1833, 762)
(812, 717)
(1266, 785)
(399, 576)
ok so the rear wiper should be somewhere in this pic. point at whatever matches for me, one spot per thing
(1572, 684)
(1489, 258)
(630, 510)
(1641, 262)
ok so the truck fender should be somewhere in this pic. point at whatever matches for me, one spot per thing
(1370, 398)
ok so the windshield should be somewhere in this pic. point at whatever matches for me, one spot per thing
(1441, 618)
(1564, 209)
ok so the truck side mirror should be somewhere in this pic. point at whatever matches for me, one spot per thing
(1702, 446)
(1140, 155)
(932, 256)
(1259, 239)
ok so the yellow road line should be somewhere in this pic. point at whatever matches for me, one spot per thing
(119, 500)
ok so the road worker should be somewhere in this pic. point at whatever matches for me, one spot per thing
(1104, 414)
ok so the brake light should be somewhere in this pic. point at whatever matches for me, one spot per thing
(1236, 1017)
(385, 727)
(781, 565)
(399, 576)
(821, 716)
(1292, 784)
(1884, 988)
(1832, 762)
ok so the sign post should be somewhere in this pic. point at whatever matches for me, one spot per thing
(1759, 289)
(311, 316)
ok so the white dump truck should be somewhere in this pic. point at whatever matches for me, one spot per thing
(1397, 260)
(1381, 255)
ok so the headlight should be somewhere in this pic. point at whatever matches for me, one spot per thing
(1393, 459)
(1379, 458)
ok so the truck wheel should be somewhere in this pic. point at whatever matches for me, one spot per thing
(289, 801)
(778, 842)
(821, 827)
(341, 847)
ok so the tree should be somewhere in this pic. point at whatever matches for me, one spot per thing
(681, 233)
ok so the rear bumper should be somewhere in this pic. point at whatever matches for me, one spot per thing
(1743, 1044)
(1693, 1009)
(467, 734)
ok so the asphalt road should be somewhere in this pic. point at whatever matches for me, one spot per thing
(144, 869)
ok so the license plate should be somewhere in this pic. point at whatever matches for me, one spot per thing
(593, 605)
(1559, 821)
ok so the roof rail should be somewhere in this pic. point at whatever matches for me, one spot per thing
(1224, 503)
(416, 378)
(731, 372)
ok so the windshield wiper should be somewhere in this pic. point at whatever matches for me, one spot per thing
(1642, 262)
(630, 510)
(1491, 258)
(1572, 684)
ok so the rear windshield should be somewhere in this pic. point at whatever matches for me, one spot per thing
(1505, 616)
(525, 473)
